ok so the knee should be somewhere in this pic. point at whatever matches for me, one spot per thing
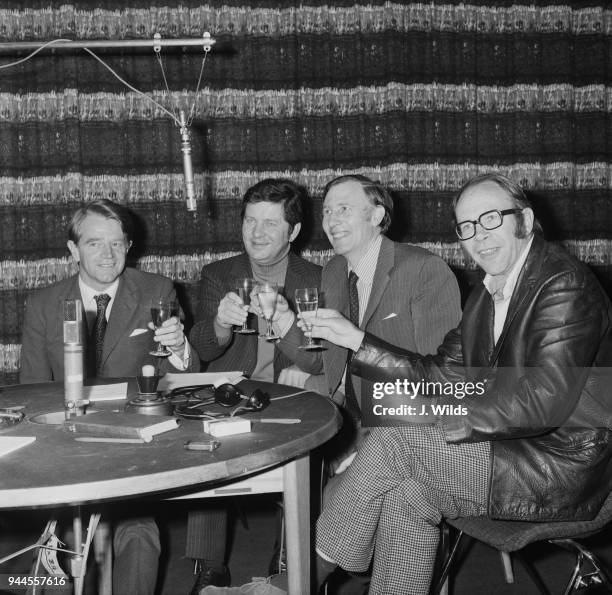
(140, 532)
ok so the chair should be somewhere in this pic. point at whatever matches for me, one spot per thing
(512, 536)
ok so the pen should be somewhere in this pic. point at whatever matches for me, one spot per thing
(280, 420)
(114, 440)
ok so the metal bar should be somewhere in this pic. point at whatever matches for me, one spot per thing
(206, 41)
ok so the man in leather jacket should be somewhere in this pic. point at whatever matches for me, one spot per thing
(531, 440)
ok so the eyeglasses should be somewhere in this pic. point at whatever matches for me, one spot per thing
(342, 212)
(488, 220)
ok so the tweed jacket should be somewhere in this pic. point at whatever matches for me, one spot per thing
(547, 405)
(414, 302)
(127, 341)
(241, 352)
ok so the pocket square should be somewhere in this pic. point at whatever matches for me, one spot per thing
(138, 331)
(392, 315)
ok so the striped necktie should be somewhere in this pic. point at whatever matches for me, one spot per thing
(99, 329)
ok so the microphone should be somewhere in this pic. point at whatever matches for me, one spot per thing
(187, 163)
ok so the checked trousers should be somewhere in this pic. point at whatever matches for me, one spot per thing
(387, 506)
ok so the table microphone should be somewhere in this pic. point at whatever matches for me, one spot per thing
(73, 356)
(187, 163)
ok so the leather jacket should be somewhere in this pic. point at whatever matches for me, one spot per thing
(547, 403)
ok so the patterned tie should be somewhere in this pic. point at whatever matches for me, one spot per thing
(352, 404)
(100, 328)
(496, 287)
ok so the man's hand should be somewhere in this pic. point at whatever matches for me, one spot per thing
(170, 334)
(332, 326)
(231, 311)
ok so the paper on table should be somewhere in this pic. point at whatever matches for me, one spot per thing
(105, 392)
(172, 381)
(11, 443)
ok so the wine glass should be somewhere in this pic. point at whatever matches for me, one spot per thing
(162, 310)
(307, 300)
(244, 286)
(267, 292)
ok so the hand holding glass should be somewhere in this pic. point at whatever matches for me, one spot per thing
(162, 310)
(244, 287)
(267, 293)
(307, 300)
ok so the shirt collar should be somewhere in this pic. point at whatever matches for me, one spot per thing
(88, 294)
(366, 267)
(510, 283)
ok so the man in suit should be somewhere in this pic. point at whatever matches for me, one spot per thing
(531, 440)
(405, 294)
(272, 217)
(116, 301)
(400, 292)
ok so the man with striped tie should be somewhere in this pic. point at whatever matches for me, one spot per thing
(116, 302)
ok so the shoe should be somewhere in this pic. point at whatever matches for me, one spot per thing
(278, 563)
(208, 576)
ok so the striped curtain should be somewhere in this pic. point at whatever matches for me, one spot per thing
(420, 96)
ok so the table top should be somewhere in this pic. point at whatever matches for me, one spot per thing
(57, 470)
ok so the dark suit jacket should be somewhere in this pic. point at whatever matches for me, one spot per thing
(241, 352)
(547, 407)
(42, 354)
(414, 302)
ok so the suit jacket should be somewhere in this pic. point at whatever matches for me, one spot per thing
(546, 408)
(414, 302)
(42, 353)
(241, 352)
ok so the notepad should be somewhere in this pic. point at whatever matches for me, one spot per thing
(123, 425)
(105, 392)
(11, 443)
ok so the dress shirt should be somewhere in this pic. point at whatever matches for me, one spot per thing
(365, 271)
(88, 295)
(502, 302)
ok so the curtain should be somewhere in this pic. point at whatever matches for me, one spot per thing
(420, 96)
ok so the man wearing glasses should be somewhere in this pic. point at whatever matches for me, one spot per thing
(531, 442)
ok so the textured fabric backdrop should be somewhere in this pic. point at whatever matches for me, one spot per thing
(419, 96)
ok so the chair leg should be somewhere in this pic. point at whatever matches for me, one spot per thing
(507, 564)
(441, 587)
(593, 574)
(531, 571)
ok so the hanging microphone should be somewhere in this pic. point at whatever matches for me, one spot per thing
(187, 163)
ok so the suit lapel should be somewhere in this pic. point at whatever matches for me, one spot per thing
(525, 286)
(294, 278)
(241, 267)
(127, 301)
(336, 297)
(386, 261)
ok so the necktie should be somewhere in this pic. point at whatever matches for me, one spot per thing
(352, 404)
(100, 328)
(496, 286)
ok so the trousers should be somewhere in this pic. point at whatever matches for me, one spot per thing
(385, 510)
(136, 556)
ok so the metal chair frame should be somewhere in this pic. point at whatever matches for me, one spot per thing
(512, 536)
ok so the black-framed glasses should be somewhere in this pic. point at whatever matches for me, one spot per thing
(488, 220)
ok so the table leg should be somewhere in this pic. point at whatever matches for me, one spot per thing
(103, 550)
(296, 492)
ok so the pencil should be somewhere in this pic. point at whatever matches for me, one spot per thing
(114, 440)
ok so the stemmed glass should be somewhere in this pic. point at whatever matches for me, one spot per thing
(267, 293)
(162, 310)
(307, 300)
(244, 286)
